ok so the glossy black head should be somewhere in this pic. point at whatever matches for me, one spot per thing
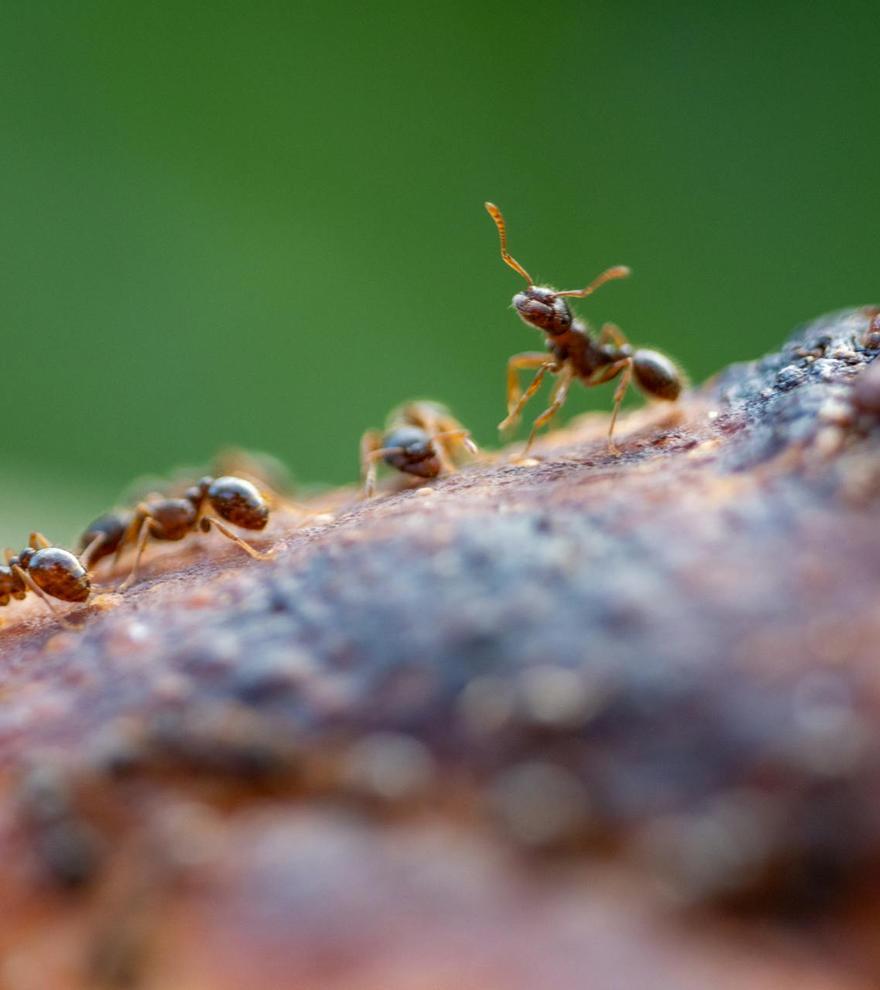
(412, 451)
(542, 308)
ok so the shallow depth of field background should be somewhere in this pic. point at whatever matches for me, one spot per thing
(261, 223)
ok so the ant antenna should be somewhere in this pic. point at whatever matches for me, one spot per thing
(495, 214)
(619, 271)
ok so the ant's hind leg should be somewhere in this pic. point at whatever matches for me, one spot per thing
(38, 541)
(515, 399)
(207, 522)
(619, 393)
(560, 394)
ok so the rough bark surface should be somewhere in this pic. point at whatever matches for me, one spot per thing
(586, 721)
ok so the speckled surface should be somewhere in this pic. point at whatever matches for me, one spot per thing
(640, 692)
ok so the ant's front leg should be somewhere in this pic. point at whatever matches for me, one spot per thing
(372, 452)
(560, 394)
(515, 399)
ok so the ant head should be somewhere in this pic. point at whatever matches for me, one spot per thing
(411, 450)
(538, 306)
(542, 308)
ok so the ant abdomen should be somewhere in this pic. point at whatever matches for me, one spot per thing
(238, 501)
(59, 573)
(657, 375)
(10, 586)
(105, 535)
(411, 450)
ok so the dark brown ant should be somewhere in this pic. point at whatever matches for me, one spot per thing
(420, 438)
(574, 353)
(235, 500)
(46, 570)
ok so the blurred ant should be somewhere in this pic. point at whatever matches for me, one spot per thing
(235, 500)
(48, 571)
(420, 438)
(574, 353)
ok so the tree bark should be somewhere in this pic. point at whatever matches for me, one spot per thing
(581, 721)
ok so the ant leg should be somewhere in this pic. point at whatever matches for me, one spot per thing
(38, 541)
(612, 332)
(515, 400)
(8, 555)
(208, 521)
(371, 453)
(463, 435)
(528, 359)
(23, 575)
(143, 536)
(371, 441)
(86, 556)
(619, 393)
(560, 394)
(443, 444)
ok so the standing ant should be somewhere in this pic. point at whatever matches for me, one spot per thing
(46, 570)
(420, 438)
(235, 500)
(574, 353)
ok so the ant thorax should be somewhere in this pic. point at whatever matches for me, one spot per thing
(579, 349)
(540, 307)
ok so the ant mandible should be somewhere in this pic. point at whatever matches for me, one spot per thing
(48, 571)
(235, 500)
(574, 353)
(420, 438)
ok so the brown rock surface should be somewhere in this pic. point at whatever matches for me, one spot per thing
(584, 722)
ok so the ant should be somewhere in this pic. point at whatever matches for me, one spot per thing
(235, 500)
(48, 571)
(574, 353)
(420, 438)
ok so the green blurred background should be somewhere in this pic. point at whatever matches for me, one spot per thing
(261, 223)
